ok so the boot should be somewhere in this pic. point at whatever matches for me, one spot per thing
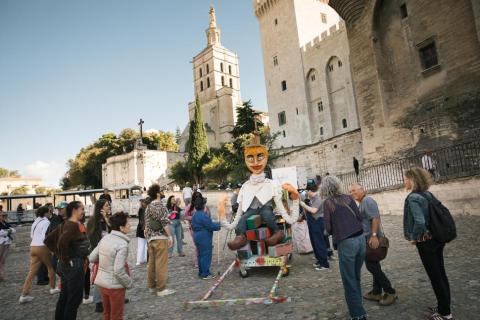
(275, 238)
(99, 307)
(237, 242)
(373, 296)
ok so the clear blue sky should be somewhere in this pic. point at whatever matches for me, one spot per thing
(72, 70)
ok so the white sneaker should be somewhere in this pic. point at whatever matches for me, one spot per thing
(165, 292)
(319, 268)
(54, 291)
(25, 299)
(88, 301)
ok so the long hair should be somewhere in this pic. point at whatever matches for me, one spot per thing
(94, 224)
(170, 203)
(72, 206)
(331, 186)
(421, 178)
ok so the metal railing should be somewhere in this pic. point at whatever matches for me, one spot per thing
(457, 161)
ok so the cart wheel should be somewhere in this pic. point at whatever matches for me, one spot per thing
(285, 272)
(243, 273)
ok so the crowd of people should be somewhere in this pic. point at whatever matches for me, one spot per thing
(94, 252)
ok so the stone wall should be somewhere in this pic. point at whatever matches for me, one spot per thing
(460, 196)
(334, 155)
(393, 89)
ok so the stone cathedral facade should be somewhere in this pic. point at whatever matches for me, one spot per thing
(216, 83)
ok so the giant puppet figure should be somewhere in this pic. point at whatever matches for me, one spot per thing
(257, 196)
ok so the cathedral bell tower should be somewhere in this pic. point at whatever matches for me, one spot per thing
(216, 83)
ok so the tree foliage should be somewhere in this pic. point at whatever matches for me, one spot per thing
(246, 119)
(5, 173)
(197, 144)
(19, 190)
(180, 173)
(86, 169)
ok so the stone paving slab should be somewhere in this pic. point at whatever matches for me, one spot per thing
(315, 294)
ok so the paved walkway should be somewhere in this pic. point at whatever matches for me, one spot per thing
(316, 295)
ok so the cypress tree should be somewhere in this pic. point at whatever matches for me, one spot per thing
(197, 143)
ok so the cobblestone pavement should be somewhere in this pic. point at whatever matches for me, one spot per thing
(315, 294)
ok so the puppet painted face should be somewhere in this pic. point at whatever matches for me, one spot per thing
(256, 158)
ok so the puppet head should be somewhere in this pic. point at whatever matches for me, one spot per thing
(256, 156)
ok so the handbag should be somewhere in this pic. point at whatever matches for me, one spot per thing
(377, 255)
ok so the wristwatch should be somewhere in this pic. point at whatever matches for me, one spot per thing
(374, 234)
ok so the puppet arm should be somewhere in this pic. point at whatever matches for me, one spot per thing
(230, 226)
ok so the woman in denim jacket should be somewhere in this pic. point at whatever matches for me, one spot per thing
(415, 226)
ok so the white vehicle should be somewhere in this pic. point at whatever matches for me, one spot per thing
(126, 199)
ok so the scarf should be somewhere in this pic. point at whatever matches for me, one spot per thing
(257, 178)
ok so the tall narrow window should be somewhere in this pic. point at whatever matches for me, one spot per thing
(282, 118)
(230, 82)
(428, 54)
(344, 123)
(330, 67)
(276, 21)
(312, 77)
(201, 85)
(403, 11)
(229, 69)
(324, 17)
(284, 135)
(208, 68)
(201, 73)
(321, 131)
(275, 61)
(297, 110)
(221, 66)
(320, 106)
(223, 81)
(284, 85)
(340, 64)
(208, 82)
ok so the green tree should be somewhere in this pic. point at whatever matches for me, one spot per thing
(180, 173)
(246, 119)
(197, 144)
(85, 170)
(19, 190)
(217, 169)
(5, 173)
(178, 135)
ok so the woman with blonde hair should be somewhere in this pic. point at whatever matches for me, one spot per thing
(416, 220)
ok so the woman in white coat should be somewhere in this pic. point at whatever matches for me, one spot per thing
(113, 277)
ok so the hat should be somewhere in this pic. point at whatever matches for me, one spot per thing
(62, 205)
(311, 185)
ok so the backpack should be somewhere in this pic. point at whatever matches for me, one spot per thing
(441, 226)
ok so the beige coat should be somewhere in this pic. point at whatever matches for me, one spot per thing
(112, 253)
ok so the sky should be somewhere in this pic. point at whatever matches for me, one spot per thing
(73, 70)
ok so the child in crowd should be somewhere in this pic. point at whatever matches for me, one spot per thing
(203, 227)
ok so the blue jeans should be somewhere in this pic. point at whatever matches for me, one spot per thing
(316, 229)
(203, 242)
(351, 254)
(268, 217)
(176, 230)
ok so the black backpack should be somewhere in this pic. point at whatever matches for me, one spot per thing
(441, 224)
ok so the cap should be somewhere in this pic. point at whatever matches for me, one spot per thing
(62, 205)
(311, 185)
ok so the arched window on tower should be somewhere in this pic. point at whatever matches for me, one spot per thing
(208, 68)
(229, 69)
(201, 73)
(344, 123)
(340, 63)
(201, 85)
(208, 82)
(221, 66)
(223, 81)
(231, 83)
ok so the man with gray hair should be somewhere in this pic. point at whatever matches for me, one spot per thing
(382, 288)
